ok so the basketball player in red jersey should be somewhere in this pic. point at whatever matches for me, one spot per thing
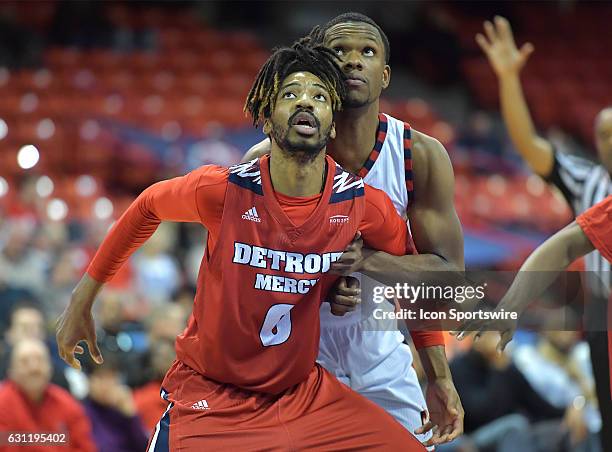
(245, 377)
(366, 142)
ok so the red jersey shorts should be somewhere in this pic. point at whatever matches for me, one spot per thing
(318, 414)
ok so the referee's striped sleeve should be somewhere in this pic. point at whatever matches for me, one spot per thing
(569, 174)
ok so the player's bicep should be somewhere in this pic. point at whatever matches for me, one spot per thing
(170, 200)
(433, 219)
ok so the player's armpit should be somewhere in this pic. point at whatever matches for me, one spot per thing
(382, 228)
(261, 148)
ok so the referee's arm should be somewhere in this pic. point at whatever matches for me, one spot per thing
(507, 61)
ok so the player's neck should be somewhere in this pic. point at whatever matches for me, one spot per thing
(293, 176)
(356, 135)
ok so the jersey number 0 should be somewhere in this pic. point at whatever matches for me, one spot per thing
(276, 327)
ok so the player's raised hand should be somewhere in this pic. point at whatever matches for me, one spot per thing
(344, 296)
(501, 50)
(76, 324)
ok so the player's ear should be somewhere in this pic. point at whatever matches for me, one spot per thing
(386, 76)
(267, 126)
(332, 131)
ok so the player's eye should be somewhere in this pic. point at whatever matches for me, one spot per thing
(320, 97)
(289, 95)
(369, 51)
(339, 50)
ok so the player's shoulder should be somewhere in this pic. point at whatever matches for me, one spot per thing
(346, 185)
(569, 160)
(427, 146)
(210, 175)
(247, 175)
(423, 145)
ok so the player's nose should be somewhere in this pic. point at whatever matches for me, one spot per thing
(352, 61)
(304, 102)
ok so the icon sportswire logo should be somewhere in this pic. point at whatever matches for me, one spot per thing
(200, 405)
(251, 215)
(338, 219)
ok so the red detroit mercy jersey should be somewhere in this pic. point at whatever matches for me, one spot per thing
(256, 319)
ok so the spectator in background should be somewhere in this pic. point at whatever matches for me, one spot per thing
(21, 266)
(111, 408)
(166, 322)
(157, 273)
(30, 403)
(558, 368)
(149, 404)
(27, 321)
(123, 338)
(499, 402)
(480, 135)
(62, 278)
(163, 325)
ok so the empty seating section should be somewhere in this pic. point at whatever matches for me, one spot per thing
(76, 106)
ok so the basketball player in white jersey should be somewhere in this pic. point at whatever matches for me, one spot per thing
(372, 358)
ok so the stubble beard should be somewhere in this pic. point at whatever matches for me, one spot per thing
(304, 152)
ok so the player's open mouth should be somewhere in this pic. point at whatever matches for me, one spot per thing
(304, 123)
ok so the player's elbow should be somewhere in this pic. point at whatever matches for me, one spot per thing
(538, 154)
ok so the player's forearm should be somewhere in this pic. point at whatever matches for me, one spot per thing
(84, 294)
(435, 363)
(411, 269)
(539, 271)
(134, 227)
(520, 125)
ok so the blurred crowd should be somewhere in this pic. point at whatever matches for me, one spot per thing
(116, 405)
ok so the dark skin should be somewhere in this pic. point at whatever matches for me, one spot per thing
(433, 220)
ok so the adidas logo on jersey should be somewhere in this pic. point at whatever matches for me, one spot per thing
(338, 219)
(200, 405)
(251, 215)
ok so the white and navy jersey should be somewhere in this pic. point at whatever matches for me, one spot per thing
(584, 184)
(388, 168)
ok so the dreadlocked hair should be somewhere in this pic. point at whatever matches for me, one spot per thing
(317, 34)
(301, 56)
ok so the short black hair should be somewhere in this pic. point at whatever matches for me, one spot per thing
(317, 34)
(301, 56)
